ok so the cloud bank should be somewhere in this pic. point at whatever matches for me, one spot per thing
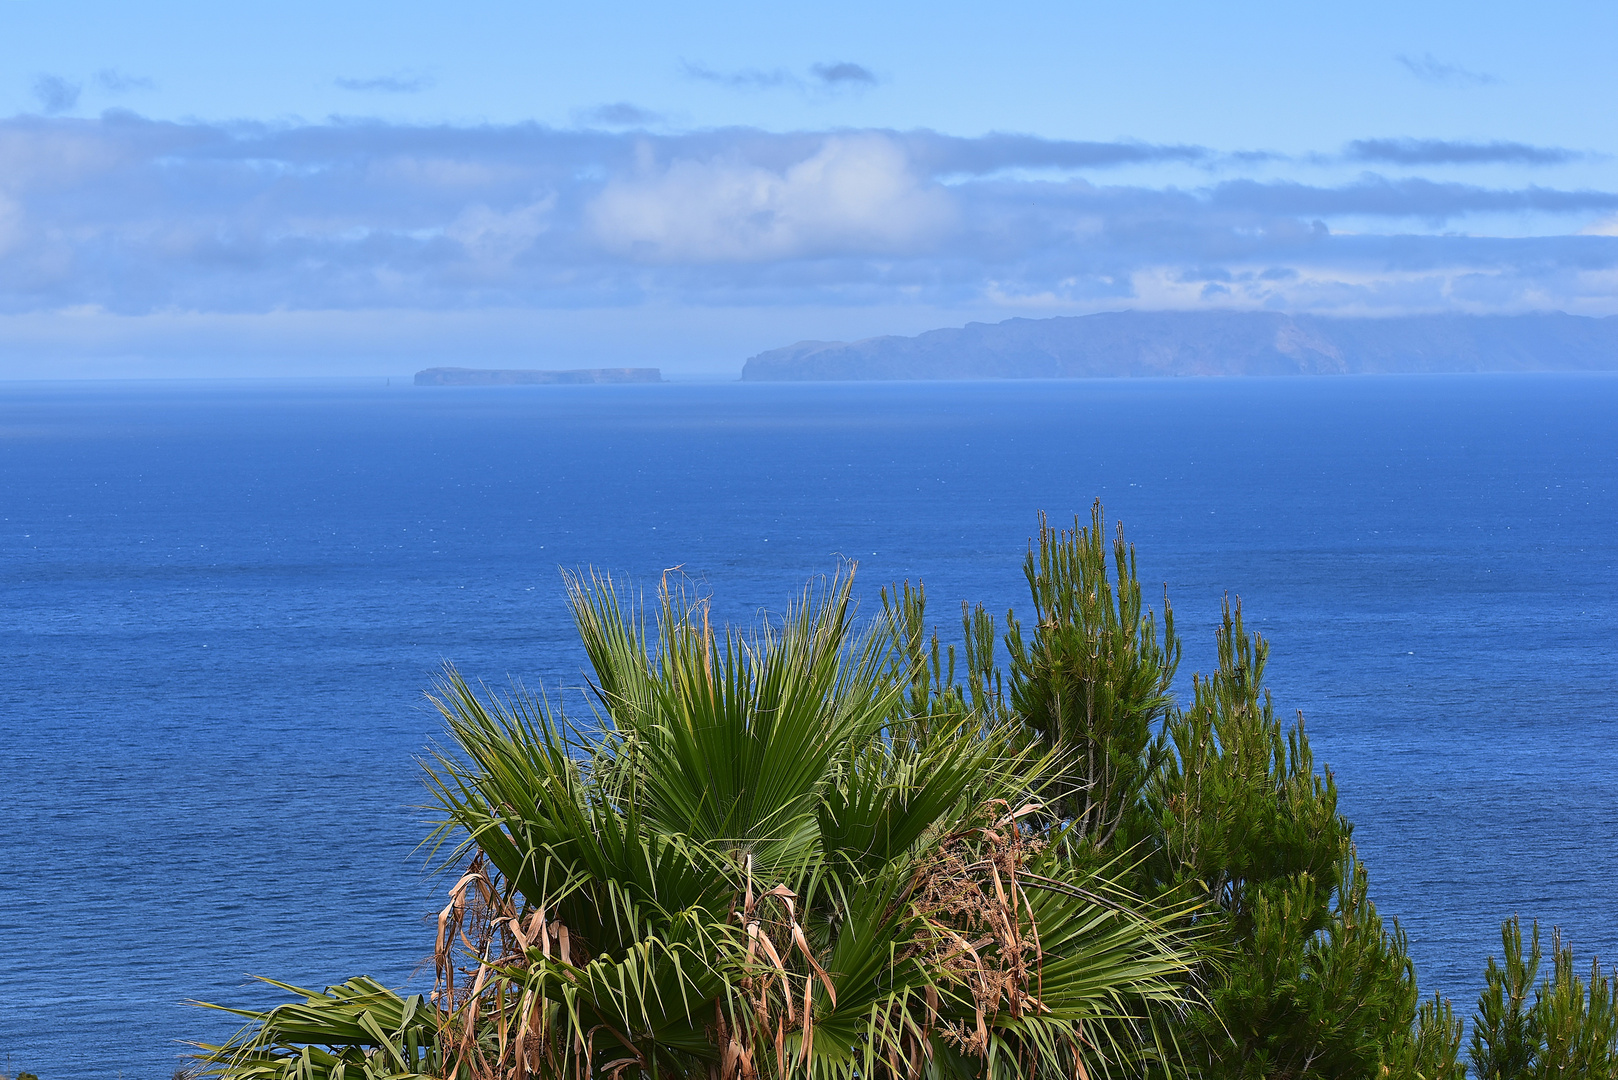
(136, 217)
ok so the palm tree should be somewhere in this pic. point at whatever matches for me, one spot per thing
(764, 856)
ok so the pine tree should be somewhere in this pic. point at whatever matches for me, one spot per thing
(1218, 805)
(1093, 680)
(1571, 1028)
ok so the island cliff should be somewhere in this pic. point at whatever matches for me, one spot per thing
(1148, 343)
(457, 376)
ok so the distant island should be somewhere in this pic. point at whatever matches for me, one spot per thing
(460, 376)
(1159, 343)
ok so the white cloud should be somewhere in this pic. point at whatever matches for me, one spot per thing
(493, 238)
(856, 195)
(140, 216)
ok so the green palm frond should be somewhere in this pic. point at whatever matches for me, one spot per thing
(358, 1030)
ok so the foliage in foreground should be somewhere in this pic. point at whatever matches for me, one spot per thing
(1571, 1028)
(1314, 983)
(1214, 808)
(814, 850)
(762, 862)
(354, 1030)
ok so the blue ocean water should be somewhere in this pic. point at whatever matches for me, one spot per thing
(223, 602)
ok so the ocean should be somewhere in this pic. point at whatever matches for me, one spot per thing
(223, 603)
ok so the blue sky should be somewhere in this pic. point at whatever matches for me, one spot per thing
(360, 188)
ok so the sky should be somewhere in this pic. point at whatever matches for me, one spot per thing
(362, 188)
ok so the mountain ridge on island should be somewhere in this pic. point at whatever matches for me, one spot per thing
(457, 376)
(1208, 343)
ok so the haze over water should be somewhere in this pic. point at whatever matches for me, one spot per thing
(223, 601)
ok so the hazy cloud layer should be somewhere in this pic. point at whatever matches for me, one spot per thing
(113, 81)
(134, 216)
(945, 154)
(1429, 69)
(843, 73)
(744, 79)
(619, 114)
(387, 84)
(1444, 152)
(56, 94)
(826, 77)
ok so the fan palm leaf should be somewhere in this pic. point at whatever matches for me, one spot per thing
(758, 859)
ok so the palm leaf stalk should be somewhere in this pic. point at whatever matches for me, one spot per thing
(763, 857)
